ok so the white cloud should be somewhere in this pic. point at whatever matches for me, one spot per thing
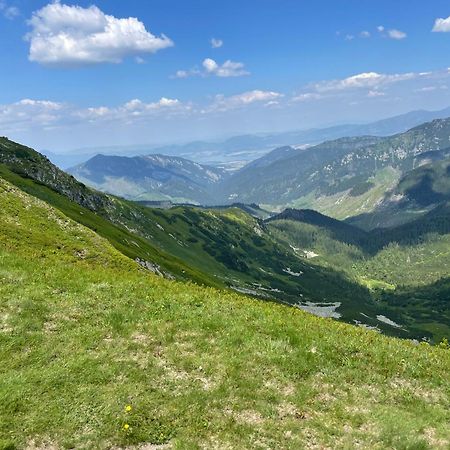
(64, 35)
(227, 69)
(391, 34)
(362, 80)
(8, 11)
(432, 88)
(374, 94)
(216, 43)
(181, 74)
(40, 103)
(163, 102)
(222, 103)
(396, 34)
(442, 25)
(30, 113)
(133, 109)
(211, 67)
(308, 96)
(373, 85)
(350, 37)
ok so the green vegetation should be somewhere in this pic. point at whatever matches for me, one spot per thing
(224, 247)
(229, 248)
(406, 269)
(360, 199)
(85, 332)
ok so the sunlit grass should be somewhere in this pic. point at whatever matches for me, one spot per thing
(97, 353)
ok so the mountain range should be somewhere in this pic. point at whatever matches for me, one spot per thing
(236, 151)
(343, 178)
(152, 177)
(301, 258)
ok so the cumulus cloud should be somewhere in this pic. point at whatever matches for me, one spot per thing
(29, 113)
(8, 11)
(222, 103)
(63, 35)
(373, 85)
(365, 34)
(216, 43)
(442, 25)
(308, 96)
(227, 69)
(181, 74)
(396, 34)
(392, 33)
(211, 68)
(362, 80)
(133, 109)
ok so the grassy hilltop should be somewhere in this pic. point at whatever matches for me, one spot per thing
(85, 332)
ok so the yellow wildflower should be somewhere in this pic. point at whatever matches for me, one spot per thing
(128, 408)
(126, 427)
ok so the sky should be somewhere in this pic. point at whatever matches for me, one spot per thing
(108, 72)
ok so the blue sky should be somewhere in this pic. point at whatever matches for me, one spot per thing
(81, 73)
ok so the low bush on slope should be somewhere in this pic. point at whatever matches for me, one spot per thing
(97, 353)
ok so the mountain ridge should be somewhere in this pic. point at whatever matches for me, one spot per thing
(150, 177)
(242, 148)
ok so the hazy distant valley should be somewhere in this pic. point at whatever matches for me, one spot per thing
(343, 178)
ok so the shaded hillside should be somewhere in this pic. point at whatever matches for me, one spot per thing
(338, 229)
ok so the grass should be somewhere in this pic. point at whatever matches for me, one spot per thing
(376, 284)
(224, 247)
(84, 333)
(219, 247)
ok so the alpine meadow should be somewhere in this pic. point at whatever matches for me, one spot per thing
(224, 225)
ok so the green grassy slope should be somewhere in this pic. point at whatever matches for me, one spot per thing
(84, 332)
(217, 247)
(229, 248)
(124, 238)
